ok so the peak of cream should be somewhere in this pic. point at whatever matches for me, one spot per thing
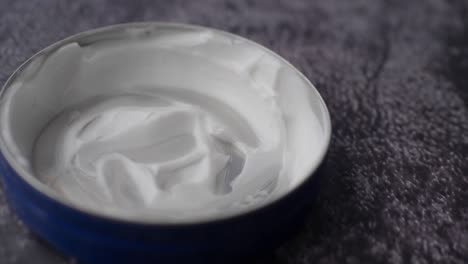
(172, 125)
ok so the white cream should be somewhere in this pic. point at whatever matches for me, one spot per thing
(164, 124)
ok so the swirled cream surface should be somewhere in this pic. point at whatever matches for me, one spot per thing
(164, 124)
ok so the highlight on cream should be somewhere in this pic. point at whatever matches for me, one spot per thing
(168, 124)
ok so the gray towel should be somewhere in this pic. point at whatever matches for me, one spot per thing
(395, 77)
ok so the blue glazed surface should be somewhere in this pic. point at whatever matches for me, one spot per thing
(93, 239)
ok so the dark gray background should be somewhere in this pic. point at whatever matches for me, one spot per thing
(395, 77)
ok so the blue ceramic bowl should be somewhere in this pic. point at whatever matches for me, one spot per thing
(92, 237)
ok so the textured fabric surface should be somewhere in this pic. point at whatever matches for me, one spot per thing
(395, 77)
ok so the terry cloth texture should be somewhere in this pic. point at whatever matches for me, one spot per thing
(395, 77)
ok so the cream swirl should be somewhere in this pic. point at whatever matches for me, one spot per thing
(135, 151)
